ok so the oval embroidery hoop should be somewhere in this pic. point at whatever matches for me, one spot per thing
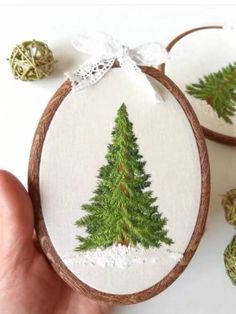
(34, 191)
(210, 134)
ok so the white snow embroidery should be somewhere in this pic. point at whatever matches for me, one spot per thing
(121, 256)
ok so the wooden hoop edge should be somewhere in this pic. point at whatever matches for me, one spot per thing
(211, 135)
(34, 191)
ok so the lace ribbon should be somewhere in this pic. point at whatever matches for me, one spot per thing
(104, 50)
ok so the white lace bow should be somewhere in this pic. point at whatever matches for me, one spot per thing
(104, 50)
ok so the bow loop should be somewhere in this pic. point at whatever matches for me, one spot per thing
(97, 43)
(150, 54)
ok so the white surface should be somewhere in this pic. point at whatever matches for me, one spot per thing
(203, 288)
(75, 148)
(198, 54)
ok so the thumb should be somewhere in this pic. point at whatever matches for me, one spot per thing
(16, 215)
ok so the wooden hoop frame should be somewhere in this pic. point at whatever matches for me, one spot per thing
(34, 191)
(211, 135)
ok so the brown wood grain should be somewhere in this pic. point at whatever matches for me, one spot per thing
(34, 191)
(210, 134)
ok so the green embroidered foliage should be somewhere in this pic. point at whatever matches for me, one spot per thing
(219, 90)
(122, 209)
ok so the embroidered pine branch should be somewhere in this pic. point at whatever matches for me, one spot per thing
(219, 90)
(122, 209)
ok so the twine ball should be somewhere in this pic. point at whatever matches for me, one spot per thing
(229, 204)
(31, 60)
(230, 260)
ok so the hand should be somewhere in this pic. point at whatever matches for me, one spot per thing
(28, 285)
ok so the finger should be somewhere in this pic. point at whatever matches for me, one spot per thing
(16, 214)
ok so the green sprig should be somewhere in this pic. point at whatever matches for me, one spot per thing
(219, 90)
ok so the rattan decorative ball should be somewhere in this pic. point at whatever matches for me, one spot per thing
(229, 204)
(31, 60)
(230, 260)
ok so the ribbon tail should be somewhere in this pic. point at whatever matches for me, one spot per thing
(131, 68)
(89, 73)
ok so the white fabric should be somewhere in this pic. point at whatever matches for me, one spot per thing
(104, 50)
(75, 149)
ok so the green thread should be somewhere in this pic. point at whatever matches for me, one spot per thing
(123, 209)
(218, 89)
(230, 260)
(229, 204)
(31, 61)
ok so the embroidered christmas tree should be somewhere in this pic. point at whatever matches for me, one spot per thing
(219, 90)
(122, 209)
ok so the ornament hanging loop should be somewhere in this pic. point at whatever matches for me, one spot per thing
(105, 52)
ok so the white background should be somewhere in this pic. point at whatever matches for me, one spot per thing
(203, 288)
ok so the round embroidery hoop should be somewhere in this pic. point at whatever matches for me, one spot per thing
(211, 134)
(41, 228)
